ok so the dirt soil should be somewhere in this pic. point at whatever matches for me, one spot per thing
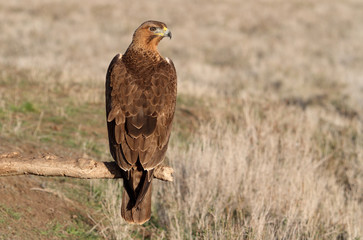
(33, 207)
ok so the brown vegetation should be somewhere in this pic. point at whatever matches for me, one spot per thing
(267, 140)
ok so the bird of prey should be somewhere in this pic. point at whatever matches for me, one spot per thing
(141, 88)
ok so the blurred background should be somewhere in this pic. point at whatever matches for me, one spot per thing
(267, 138)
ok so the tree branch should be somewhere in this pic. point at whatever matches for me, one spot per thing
(49, 165)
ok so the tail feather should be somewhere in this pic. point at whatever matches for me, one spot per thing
(136, 197)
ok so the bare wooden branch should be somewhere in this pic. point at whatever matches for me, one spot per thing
(50, 165)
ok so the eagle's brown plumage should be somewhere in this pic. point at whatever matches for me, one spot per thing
(140, 105)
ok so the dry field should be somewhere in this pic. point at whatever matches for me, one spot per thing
(267, 140)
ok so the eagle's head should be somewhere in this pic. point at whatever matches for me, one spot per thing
(149, 34)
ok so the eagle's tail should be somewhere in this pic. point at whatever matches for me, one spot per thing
(136, 197)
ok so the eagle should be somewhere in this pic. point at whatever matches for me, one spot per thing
(141, 88)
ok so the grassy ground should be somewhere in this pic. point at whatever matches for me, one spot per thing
(267, 140)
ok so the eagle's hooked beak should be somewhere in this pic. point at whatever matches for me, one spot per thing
(165, 32)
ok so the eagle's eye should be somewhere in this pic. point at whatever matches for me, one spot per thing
(152, 29)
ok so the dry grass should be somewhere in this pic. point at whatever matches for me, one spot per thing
(269, 177)
(267, 140)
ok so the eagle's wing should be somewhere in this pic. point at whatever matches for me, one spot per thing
(139, 114)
